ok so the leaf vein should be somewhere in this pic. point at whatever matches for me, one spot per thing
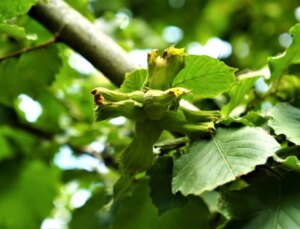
(223, 156)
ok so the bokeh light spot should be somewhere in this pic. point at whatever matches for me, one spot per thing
(31, 108)
(285, 39)
(172, 34)
(297, 13)
(214, 47)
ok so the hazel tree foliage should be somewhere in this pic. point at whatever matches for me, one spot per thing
(205, 133)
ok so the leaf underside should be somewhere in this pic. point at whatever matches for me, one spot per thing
(270, 203)
(286, 120)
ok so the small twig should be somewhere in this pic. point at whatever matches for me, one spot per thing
(108, 159)
(28, 49)
(33, 130)
(81, 150)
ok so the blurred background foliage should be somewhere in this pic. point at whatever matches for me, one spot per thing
(254, 29)
(50, 146)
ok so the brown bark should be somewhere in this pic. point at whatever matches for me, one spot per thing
(78, 33)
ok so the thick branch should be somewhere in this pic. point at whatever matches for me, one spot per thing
(78, 33)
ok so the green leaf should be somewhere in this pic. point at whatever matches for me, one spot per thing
(13, 31)
(270, 203)
(289, 89)
(288, 157)
(160, 179)
(238, 92)
(135, 209)
(27, 193)
(205, 76)
(193, 215)
(291, 162)
(83, 7)
(123, 188)
(211, 199)
(20, 141)
(134, 81)
(83, 177)
(294, 69)
(29, 74)
(88, 216)
(279, 65)
(53, 110)
(9, 8)
(289, 151)
(5, 149)
(229, 154)
(286, 120)
(251, 119)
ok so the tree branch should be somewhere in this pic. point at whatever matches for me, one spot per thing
(78, 33)
(105, 157)
(28, 49)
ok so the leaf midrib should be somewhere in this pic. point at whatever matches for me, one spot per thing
(223, 155)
